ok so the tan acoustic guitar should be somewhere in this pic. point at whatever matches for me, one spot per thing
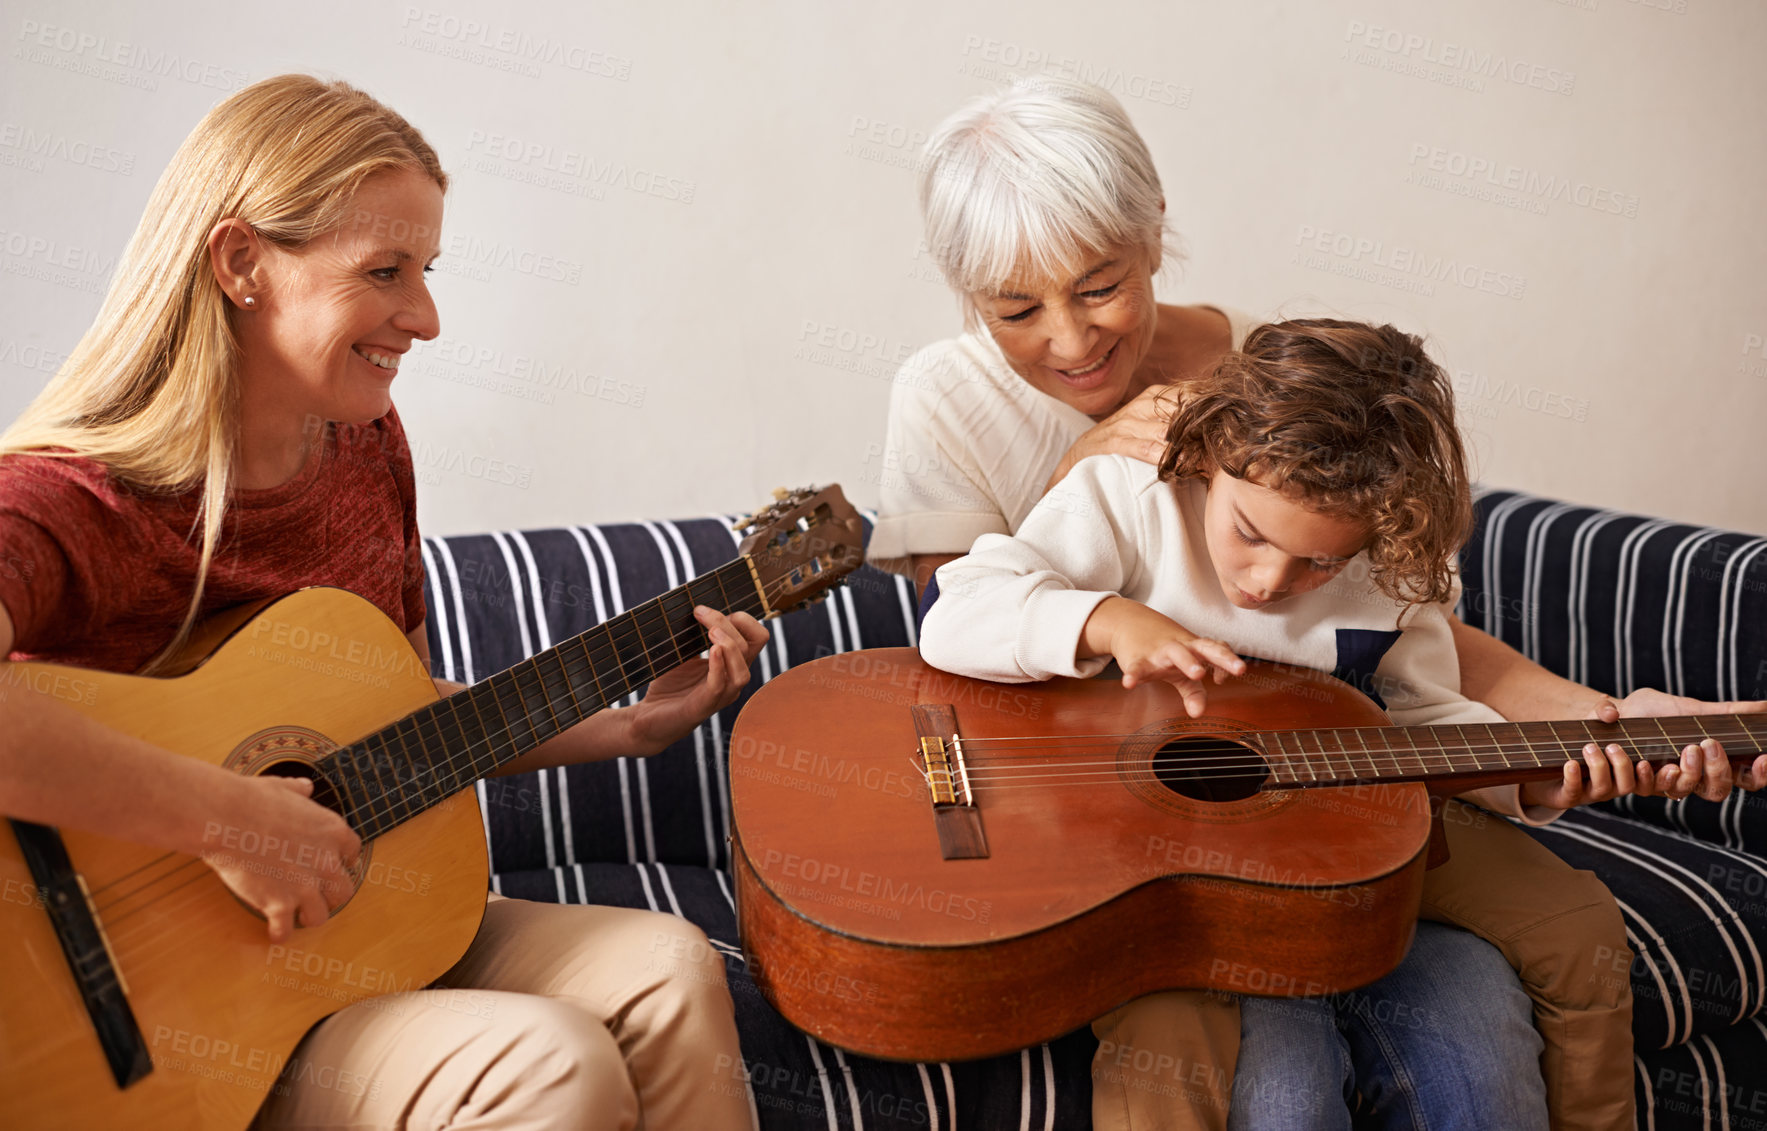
(136, 991)
(986, 866)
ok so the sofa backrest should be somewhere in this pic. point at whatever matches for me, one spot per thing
(495, 599)
(1613, 600)
(1618, 601)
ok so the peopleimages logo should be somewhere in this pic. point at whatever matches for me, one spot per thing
(1446, 62)
(504, 48)
(117, 60)
(1397, 265)
(570, 170)
(35, 146)
(1531, 189)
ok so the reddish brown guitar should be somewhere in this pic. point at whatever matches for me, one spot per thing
(937, 868)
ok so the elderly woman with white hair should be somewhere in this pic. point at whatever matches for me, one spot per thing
(1044, 212)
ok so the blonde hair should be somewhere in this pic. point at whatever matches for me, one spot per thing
(151, 389)
(1037, 177)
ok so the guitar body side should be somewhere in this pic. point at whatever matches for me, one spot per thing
(221, 1008)
(863, 935)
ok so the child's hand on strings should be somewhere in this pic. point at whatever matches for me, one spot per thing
(1149, 646)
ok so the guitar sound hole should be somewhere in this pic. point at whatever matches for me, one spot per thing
(1208, 768)
(323, 791)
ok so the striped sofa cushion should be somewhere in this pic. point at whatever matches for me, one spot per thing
(1616, 600)
(497, 598)
(1619, 602)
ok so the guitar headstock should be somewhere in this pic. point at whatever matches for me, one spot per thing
(802, 545)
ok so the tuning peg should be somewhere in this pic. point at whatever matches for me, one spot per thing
(780, 494)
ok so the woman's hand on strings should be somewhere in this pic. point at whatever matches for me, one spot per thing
(681, 699)
(281, 853)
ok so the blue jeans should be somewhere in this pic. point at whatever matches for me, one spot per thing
(1445, 1041)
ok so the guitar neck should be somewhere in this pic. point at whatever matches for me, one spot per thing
(1474, 754)
(429, 755)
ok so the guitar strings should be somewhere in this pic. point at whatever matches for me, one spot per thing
(452, 763)
(1036, 775)
(573, 669)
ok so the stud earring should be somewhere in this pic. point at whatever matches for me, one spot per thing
(250, 301)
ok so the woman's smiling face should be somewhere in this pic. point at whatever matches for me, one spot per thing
(333, 318)
(1079, 340)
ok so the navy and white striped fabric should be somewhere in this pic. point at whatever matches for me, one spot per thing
(651, 833)
(1618, 602)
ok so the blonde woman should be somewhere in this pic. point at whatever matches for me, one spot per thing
(224, 432)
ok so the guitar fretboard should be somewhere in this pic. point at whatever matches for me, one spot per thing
(1350, 755)
(431, 754)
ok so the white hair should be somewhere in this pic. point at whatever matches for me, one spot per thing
(1033, 179)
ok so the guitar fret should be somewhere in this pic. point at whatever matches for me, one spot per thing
(398, 798)
(1281, 763)
(1412, 750)
(545, 698)
(398, 733)
(490, 687)
(1386, 737)
(355, 814)
(649, 663)
(1331, 770)
(684, 604)
(1307, 759)
(570, 688)
(530, 711)
(1343, 751)
(718, 576)
(634, 667)
(410, 763)
(594, 673)
(477, 764)
(1374, 771)
(370, 764)
(1673, 746)
(1442, 755)
(1469, 748)
(459, 747)
(1534, 753)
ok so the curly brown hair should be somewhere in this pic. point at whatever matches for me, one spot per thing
(1350, 419)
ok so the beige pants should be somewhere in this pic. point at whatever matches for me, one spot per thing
(1166, 1061)
(557, 1017)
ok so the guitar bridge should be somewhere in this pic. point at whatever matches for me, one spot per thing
(955, 816)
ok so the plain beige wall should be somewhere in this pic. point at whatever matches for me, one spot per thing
(682, 253)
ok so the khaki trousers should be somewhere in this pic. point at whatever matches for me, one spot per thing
(1166, 1061)
(557, 1017)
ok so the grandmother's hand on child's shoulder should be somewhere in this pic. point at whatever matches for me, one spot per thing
(1137, 430)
